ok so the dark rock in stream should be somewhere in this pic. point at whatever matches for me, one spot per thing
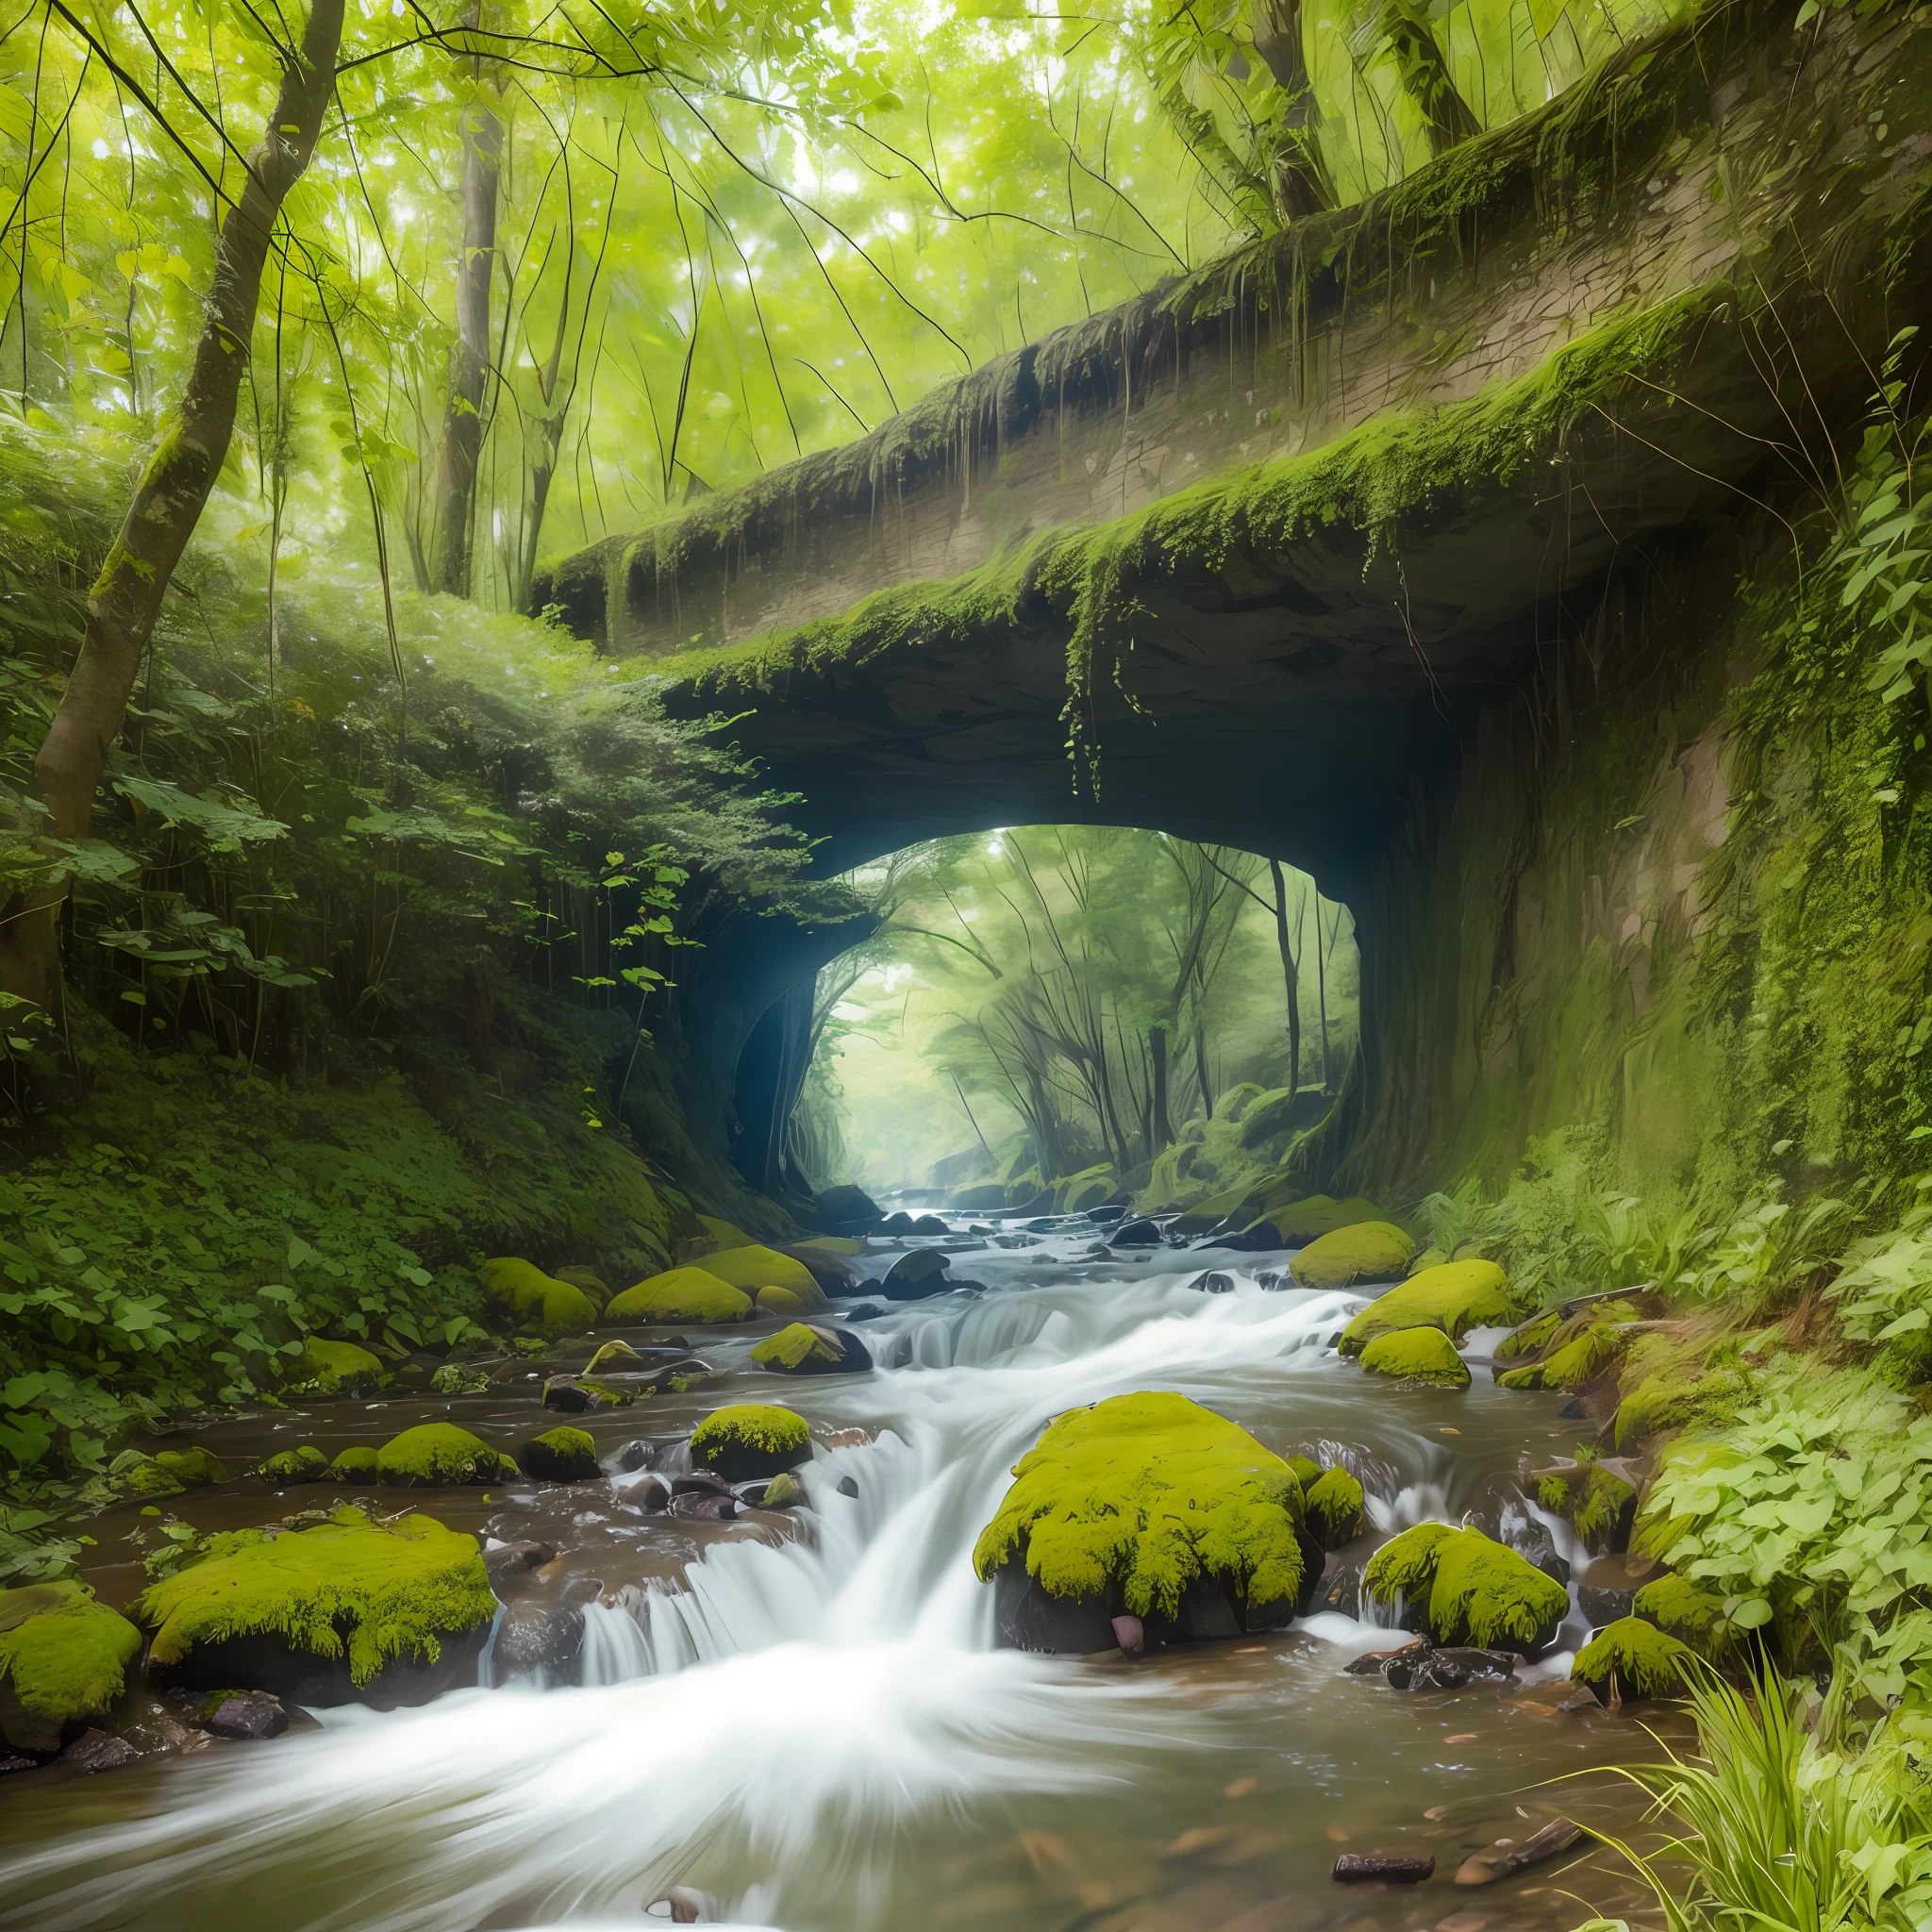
(701, 1508)
(242, 1716)
(865, 1311)
(1031, 1618)
(846, 1209)
(11, 1762)
(849, 1488)
(1254, 1241)
(1214, 1281)
(1102, 1216)
(1352, 1868)
(916, 1275)
(266, 1661)
(650, 1493)
(1371, 1661)
(95, 1751)
(538, 1637)
(1451, 1669)
(510, 1564)
(1505, 1858)
(1136, 1234)
(1532, 1543)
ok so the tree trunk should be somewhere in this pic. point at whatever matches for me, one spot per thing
(1291, 974)
(1161, 1133)
(1300, 182)
(1201, 1071)
(462, 423)
(167, 504)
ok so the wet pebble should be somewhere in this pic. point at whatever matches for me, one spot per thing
(246, 1717)
(95, 1751)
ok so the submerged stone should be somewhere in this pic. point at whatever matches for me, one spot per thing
(1368, 1251)
(1128, 1503)
(1453, 1297)
(1417, 1355)
(1468, 1589)
(681, 1295)
(347, 1611)
(751, 1439)
(64, 1659)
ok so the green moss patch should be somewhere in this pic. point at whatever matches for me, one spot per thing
(560, 1455)
(751, 1439)
(791, 1347)
(1335, 1507)
(306, 1464)
(1368, 1251)
(1594, 1499)
(1574, 1352)
(1683, 1609)
(1453, 1297)
(681, 1295)
(1417, 1355)
(63, 1659)
(355, 1466)
(1479, 1590)
(326, 1368)
(1635, 1658)
(558, 1307)
(350, 1587)
(173, 1472)
(438, 1455)
(1314, 1215)
(1143, 1493)
(751, 1267)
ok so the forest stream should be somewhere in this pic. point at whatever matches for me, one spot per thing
(804, 1716)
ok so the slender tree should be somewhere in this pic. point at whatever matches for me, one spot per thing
(167, 504)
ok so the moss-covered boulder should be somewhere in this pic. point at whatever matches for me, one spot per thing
(1574, 1351)
(1368, 1251)
(752, 1266)
(332, 1368)
(780, 1301)
(681, 1295)
(358, 1465)
(1463, 1588)
(1334, 1508)
(725, 1235)
(917, 1276)
(1151, 1504)
(1417, 1355)
(1632, 1659)
(1599, 1502)
(440, 1456)
(751, 1439)
(560, 1455)
(305, 1464)
(172, 1472)
(523, 1289)
(589, 1280)
(1453, 1297)
(803, 1349)
(347, 1611)
(64, 1660)
(1684, 1609)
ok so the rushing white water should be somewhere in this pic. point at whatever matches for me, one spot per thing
(774, 1730)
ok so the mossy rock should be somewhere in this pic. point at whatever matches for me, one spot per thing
(804, 1350)
(751, 1439)
(1635, 1658)
(1417, 1355)
(726, 1235)
(328, 1368)
(173, 1472)
(1307, 1472)
(560, 1455)
(1307, 1220)
(751, 1268)
(1598, 1501)
(1335, 1507)
(1142, 1496)
(306, 1464)
(1532, 1338)
(589, 1280)
(781, 1301)
(1453, 1297)
(347, 1610)
(1664, 1389)
(64, 1660)
(557, 1307)
(440, 1456)
(1478, 1592)
(1366, 1251)
(681, 1295)
(359, 1465)
(1576, 1351)
(1682, 1609)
